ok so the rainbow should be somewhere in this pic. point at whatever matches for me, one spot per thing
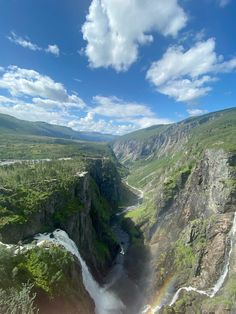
(163, 297)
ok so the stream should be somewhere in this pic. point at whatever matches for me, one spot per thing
(120, 294)
(210, 292)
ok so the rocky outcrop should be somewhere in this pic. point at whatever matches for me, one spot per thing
(190, 238)
(157, 141)
(76, 301)
(83, 209)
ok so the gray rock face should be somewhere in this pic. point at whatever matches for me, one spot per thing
(189, 238)
(164, 140)
(101, 185)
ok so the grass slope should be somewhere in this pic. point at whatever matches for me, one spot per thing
(11, 125)
(212, 131)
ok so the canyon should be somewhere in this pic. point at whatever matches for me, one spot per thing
(150, 224)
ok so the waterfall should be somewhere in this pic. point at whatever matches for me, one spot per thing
(222, 278)
(176, 296)
(211, 292)
(105, 301)
(218, 285)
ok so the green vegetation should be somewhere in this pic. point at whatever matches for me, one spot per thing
(143, 134)
(24, 188)
(188, 248)
(215, 130)
(11, 125)
(35, 147)
(18, 301)
(101, 215)
(184, 256)
(47, 269)
(164, 171)
(227, 298)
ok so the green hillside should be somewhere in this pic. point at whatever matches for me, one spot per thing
(187, 172)
(11, 125)
(216, 129)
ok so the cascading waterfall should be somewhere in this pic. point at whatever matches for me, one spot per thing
(211, 292)
(105, 301)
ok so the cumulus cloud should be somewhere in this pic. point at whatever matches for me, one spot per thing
(196, 112)
(115, 29)
(25, 82)
(90, 123)
(29, 95)
(185, 75)
(122, 116)
(115, 107)
(32, 112)
(53, 49)
(34, 97)
(26, 43)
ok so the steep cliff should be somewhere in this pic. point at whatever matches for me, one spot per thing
(82, 206)
(187, 172)
(78, 196)
(161, 140)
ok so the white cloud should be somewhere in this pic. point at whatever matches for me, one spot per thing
(53, 49)
(115, 29)
(119, 116)
(32, 112)
(36, 97)
(24, 82)
(26, 43)
(185, 75)
(93, 124)
(196, 112)
(23, 42)
(223, 3)
(6, 100)
(115, 107)
(114, 125)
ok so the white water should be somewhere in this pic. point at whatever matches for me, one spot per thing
(132, 207)
(218, 285)
(140, 192)
(105, 301)
(211, 292)
(176, 296)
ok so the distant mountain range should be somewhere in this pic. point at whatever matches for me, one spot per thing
(12, 125)
(215, 129)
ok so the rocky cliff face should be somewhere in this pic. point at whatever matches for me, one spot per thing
(83, 209)
(161, 141)
(190, 234)
(158, 141)
(188, 175)
(77, 301)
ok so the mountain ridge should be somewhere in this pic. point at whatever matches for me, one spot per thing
(187, 172)
(12, 125)
(161, 139)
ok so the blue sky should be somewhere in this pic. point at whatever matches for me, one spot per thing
(115, 66)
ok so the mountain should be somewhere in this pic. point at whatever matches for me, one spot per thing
(11, 125)
(216, 128)
(187, 172)
(154, 235)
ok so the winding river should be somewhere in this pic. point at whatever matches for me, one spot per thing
(120, 294)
